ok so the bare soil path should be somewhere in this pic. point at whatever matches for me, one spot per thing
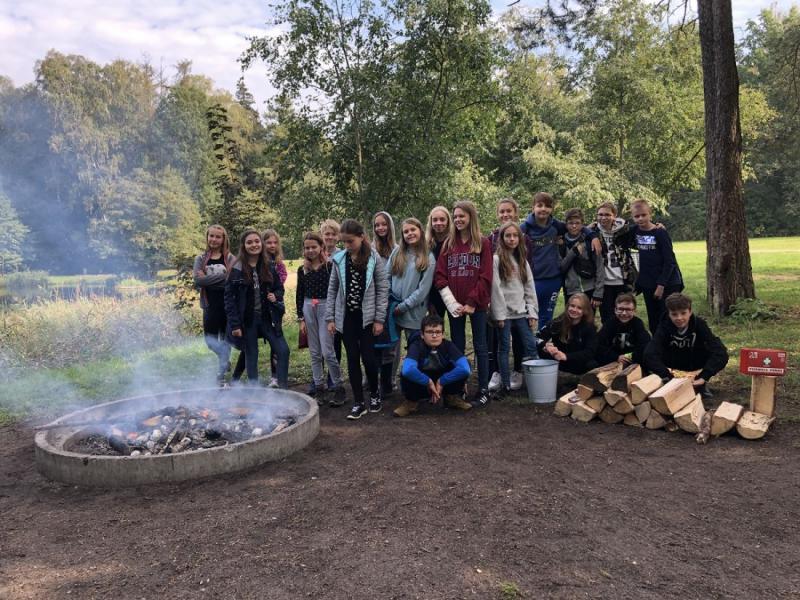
(439, 505)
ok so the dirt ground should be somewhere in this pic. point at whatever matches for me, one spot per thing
(504, 503)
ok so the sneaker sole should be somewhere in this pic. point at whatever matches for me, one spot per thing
(353, 417)
(372, 410)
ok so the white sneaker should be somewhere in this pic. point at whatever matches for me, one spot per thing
(273, 382)
(495, 383)
(517, 379)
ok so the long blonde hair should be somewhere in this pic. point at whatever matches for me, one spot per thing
(507, 256)
(586, 317)
(420, 250)
(268, 233)
(474, 228)
(429, 235)
(225, 249)
(384, 245)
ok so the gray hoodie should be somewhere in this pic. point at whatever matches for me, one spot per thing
(412, 289)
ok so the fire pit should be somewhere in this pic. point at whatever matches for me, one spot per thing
(175, 436)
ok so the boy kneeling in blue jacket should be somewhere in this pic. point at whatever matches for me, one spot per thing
(433, 370)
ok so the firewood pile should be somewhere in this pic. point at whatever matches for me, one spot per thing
(176, 429)
(616, 394)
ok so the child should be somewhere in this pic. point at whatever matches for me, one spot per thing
(623, 335)
(329, 230)
(384, 243)
(685, 342)
(581, 266)
(254, 307)
(464, 279)
(571, 339)
(659, 275)
(433, 370)
(358, 294)
(545, 233)
(313, 278)
(411, 266)
(507, 212)
(513, 306)
(619, 272)
(274, 251)
(210, 272)
(438, 229)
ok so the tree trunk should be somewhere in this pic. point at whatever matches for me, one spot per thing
(728, 269)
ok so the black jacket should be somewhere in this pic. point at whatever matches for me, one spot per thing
(582, 345)
(617, 338)
(240, 302)
(697, 348)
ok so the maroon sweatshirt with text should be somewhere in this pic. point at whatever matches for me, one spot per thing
(468, 275)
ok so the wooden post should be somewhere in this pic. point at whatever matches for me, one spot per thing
(762, 395)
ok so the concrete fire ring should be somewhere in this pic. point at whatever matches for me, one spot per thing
(54, 462)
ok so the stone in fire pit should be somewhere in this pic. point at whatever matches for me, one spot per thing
(175, 436)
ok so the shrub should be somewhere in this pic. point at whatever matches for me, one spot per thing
(27, 285)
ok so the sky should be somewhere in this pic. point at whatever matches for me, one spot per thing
(210, 33)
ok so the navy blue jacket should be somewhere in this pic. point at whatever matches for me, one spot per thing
(240, 303)
(657, 263)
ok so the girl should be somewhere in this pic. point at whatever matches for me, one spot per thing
(272, 246)
(254, 307)
(358, 294)
(329, 229)
(514, 306)
(546, 232)
(384, 240)
(210, 272)
(411, 266)
(507, 212)
(571, 339)
(313, 278)
(438, 229)
(659, 274)
(464, 279)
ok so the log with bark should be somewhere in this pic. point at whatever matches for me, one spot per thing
(600, 379)
(725, 417)
(641, 389)
(705, 428)
(622, 382)
(753, 425)
(672, 396)
(690, 416)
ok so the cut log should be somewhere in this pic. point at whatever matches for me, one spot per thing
(600, 378)
(762, 395)
(584, 393)
(563, 406)
(641, 389)
(613, 396)
(642, 411)
(753, 425)
(583, 413)
(672, 396)
(632, 420)
(690, 416)
(596, 403)
(655, 420)
(705, 428)
(624, 406)
(609, 415)
(671, 426)
(686, 374)
(622, 382)
(725, 417)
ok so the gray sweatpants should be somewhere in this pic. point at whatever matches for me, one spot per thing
(320, 344)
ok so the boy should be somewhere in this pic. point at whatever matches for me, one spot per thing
(623, 335)
(581, 266)
(685, 342)
(619, 271)
(433, 370)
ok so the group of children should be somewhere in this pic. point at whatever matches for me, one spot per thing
(376, 290)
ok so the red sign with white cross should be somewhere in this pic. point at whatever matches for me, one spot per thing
(762, 361)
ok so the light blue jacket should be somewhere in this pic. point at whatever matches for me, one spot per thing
(376, 291)
(411, 289)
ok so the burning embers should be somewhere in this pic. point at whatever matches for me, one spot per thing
(176, 429)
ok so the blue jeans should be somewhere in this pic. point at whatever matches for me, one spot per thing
(518, 328)
(458, 334)
(547, 295)
(252, 333)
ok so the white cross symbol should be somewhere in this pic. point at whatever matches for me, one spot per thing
(767, 361)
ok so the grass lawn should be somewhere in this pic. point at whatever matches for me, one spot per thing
(776, 267)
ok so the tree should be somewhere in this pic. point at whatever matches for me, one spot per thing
(12, 252)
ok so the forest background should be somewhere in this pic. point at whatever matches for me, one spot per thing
(398, 105)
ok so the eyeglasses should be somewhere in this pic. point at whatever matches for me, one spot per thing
(433, 333)
(624, 310)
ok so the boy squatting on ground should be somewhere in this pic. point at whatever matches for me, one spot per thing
(684, 341)
(433, 370)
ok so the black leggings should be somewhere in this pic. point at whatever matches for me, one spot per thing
(359, 344)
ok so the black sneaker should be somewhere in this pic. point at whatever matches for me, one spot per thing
(312, 390)
(705, 393)
(375, 404)
(358, 411)
(338, 397)
(481, 399)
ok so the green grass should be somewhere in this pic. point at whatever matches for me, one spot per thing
(776, 266)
